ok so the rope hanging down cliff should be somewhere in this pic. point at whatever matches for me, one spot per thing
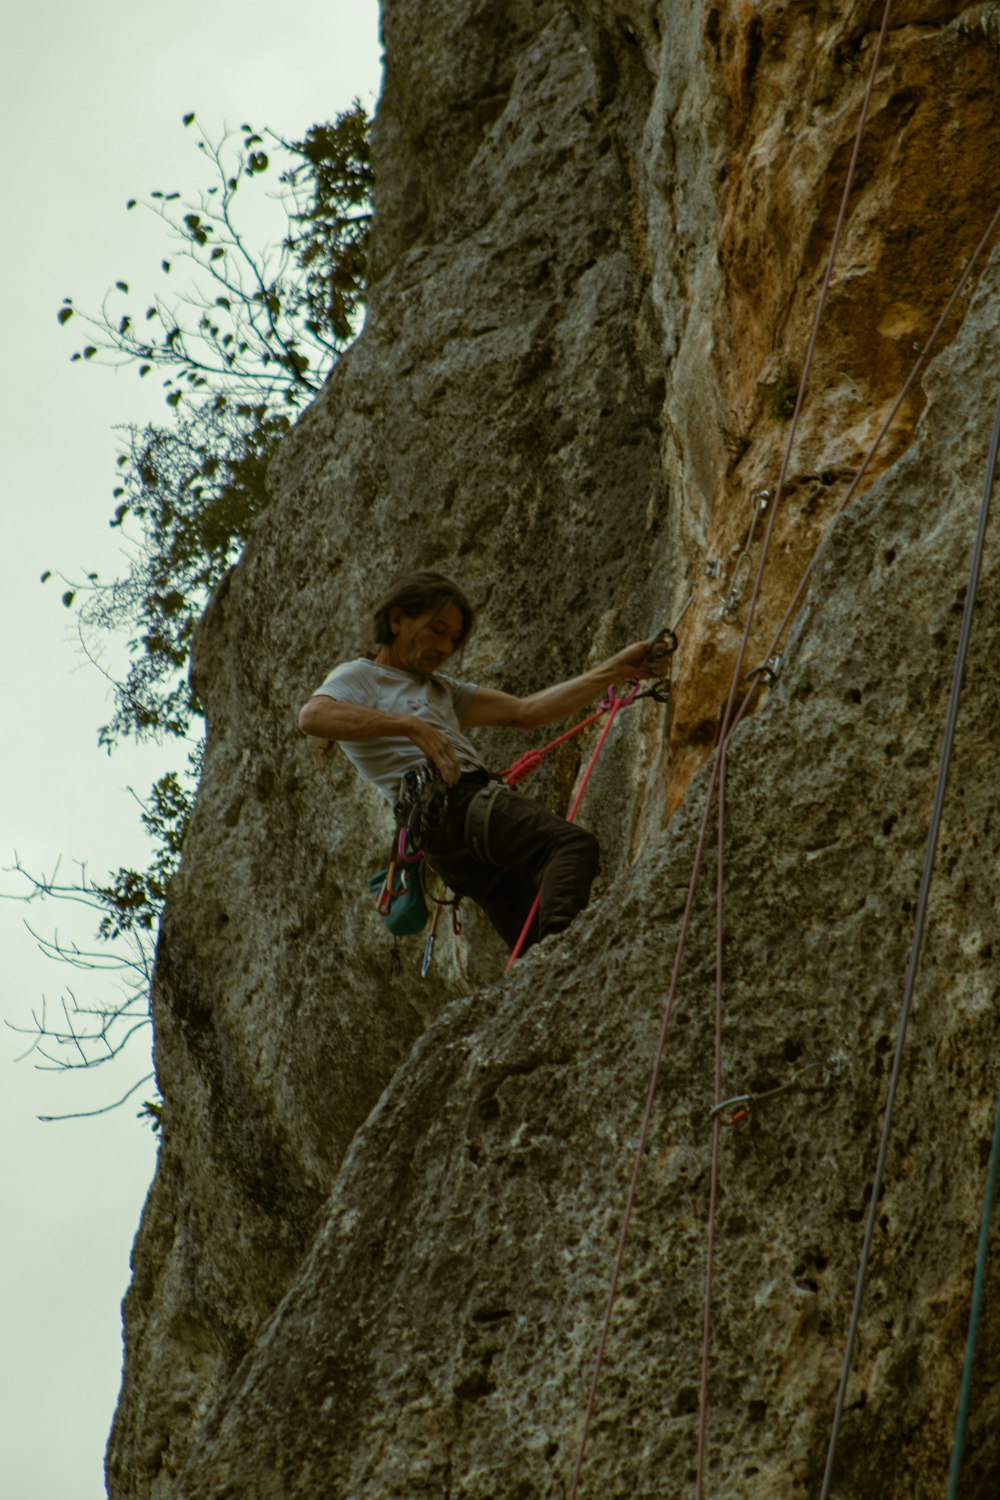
(763, 675)
(766, 674)
(699, 850)
(961, 656)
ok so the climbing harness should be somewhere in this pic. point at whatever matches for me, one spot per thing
(477, 821)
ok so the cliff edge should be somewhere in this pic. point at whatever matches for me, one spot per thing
(375, 1256)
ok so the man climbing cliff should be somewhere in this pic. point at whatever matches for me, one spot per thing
(397, 713)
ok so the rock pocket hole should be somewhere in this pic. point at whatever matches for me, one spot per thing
(475, 1387)
(685, 1402)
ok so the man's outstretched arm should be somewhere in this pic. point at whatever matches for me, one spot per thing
(551, 704)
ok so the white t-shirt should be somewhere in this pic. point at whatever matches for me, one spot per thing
(441, 700)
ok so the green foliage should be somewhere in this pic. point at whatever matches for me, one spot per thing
(187, 497)
(332, 183)
(135, 898)
(247, 338)
(251, 325)
(781, 393)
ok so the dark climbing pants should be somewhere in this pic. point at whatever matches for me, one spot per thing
(532, 852)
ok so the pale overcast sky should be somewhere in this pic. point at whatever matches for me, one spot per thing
(92, 99)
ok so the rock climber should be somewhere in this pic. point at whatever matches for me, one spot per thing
(397, 713)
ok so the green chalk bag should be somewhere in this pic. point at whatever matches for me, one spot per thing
(399, 899)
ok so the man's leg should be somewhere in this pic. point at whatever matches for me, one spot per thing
(532, 851)
(506, 896)
(560, 859)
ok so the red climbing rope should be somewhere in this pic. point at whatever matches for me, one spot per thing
(529, 762)
(610, 706)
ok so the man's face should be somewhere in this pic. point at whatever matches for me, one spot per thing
(423, 644)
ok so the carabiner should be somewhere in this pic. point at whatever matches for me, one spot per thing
(611, 697)
(663, 644)
(660, 690)
(768, 672)
(405, 857)
(384, 899)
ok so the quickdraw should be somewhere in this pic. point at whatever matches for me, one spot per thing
(830, 1069)
(661, 647)
(456, 927)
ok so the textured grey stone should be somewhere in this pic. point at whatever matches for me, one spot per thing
(374, 1259)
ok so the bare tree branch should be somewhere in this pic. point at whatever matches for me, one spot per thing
(88, 1114)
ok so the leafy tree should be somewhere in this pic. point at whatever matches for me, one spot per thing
(188, 496)
(245, 340)
(250, 326)
(332, 183)
(242, 345)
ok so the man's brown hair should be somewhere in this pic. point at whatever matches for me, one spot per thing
(417, 594)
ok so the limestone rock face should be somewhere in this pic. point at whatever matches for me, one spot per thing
(375, 1256)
